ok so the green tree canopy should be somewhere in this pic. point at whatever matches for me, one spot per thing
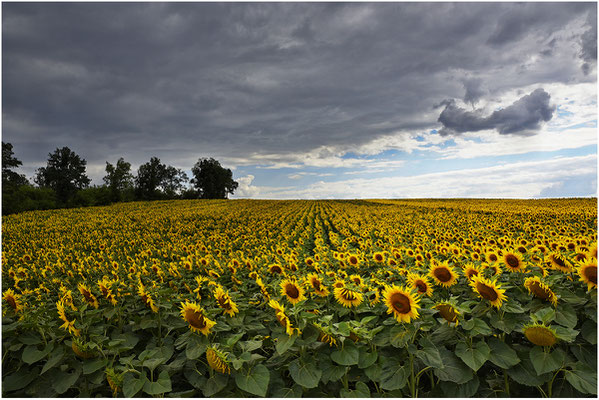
(10, 162)
(118, 178)
(148, 179)
(212, 180)
(64, 173)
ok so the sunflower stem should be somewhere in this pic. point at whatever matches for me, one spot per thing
(542, 391)
(506, 383)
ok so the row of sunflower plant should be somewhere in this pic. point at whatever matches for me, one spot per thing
(386, 298)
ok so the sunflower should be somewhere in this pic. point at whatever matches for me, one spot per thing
(559, 262)
(325, 335)
(374, 297)
(293, 291)
(115, 380)
(587, 271)
(275, 269)
(513, 261)
(357, 279)
(402, 303)
(317, 285)
(224, 301)
(443, 274)
(540, 335)
(89, 297)
(12, 299)
(540, 290)
(82, 349)
(282, 317)
(193, 314)
(348, 297)
(68, 325)
(421, 284)
(146, 298)
(488, 290)
(338, 284)
(217, 360)
(106, 290)
(378, 257)
(448, 311)
(470, 271)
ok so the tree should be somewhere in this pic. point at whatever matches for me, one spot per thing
(64, 173)
(149, 177)
(118, 178)
(212, 180)
(9, 162)
(172, 181)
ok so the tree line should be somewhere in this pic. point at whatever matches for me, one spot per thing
(63, 182)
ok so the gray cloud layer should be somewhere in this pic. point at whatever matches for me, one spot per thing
(183, 80)
(524, 116)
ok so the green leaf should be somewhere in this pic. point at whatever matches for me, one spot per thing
(429, 354)
(589, 331)
(443, 334)
(454, 369)
(55, 358)
(63, 381)
(477, 326)
(565, 334)
(506, 324)
(566, 315)
(32, 355)
(194, 378)
(400, 335)
(284, 342)
(90, 366)
(284, 392)
(132, 384)
(502, 354)
(525, 374)
(215, 384)
(512, 306)
(393, 374)
(475, 356)
(348, 355)
(366, 358)
(583, 378)
(194, 349)
(254, 380)
(332, 373)
(162, 385)
(545, 315)
(467, 389)
(373, 372)
(19, 380)
(544, 362)
(361, 391)
(305, 374)
(30, 338)
(234, 339)
(251, 345)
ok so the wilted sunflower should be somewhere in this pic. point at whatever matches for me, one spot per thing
(448, 311)
(348, 297)
(115, 380)
(12, 299)
(225, 302)
(540, 290)
(319, 288)
(292, 290)
(325, 335)
(402, 303)
(513, 261)
(82, 349)
(443, 274)
(282, 317)
(420, 284)
(88, 295)
(587, 271)
(68, 325)
(540, 335)
(217, 360)
(488, 290)
(559, 262)
(193, 314)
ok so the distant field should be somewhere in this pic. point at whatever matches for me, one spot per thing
(396, 298)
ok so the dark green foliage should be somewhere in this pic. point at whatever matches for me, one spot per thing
(212, 180)
(118, 179)
(64, 173)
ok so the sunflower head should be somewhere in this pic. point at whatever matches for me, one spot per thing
(512, 260)
(488, 290)
(225, 302)
(470, 271)
(88, 295)
(348, 297)
(587, 270)
(292, 291)
(373, 296)
(378, 257)
(448, 311)
(193, 314)
(115, 380)
(217, 360)
(317, 285)
(540, 290)
(275, 269)
(540, 335)
(325, 335)
(12, 299)
(559, 262)
(420, 284)
(82, 349)
(402, 303)
(443, 274)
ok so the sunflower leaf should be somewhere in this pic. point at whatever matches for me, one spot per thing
(566, 315)
(474, 356)
(348, 355)
(284, 342)
(502, 354)
(544, 362)
(393, 374)
(215, 384)
(583, 378)
(589, 332)
(429, 354)
(304, 374)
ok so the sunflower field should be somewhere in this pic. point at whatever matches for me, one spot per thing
(242, 298)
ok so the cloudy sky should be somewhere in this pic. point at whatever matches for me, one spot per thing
(313, 100)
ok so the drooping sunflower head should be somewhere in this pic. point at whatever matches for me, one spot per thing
(513, 261)
(348, 297)
(559, 262)
(88, 295)
(325, 335)
(443, 274)
(193, 314)
(540, 335)
(402, 303)
(292, 291)
(115, 380)
(82, 349)
(217, 360)
(12, 299)
(488, 290)
(540, 290)
(420, 284)
(282, 317)
(587, 270)
(448, 311)
(317, 285)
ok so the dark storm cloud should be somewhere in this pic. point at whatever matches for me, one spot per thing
(588, 40)
(524, 116)
(183, 80)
